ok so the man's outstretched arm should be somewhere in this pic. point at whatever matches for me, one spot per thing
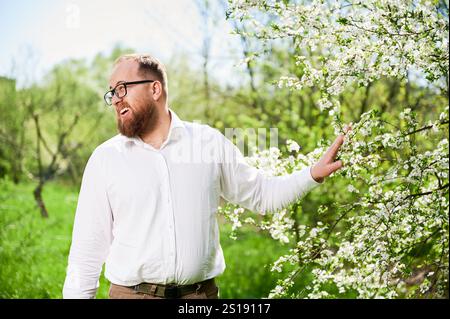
(92, 234)
(247, 186)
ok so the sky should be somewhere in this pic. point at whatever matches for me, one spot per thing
(38, 34)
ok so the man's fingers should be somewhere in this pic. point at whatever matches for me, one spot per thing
(334, 148)
(333, 167)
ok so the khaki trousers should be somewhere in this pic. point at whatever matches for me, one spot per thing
(207, 291)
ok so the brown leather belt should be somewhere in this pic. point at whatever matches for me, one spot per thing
(170, 291)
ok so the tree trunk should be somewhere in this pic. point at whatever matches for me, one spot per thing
(40, 202)
(365, 101)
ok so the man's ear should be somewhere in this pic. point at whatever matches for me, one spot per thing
(157, 91)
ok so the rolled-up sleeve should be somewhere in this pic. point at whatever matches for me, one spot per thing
(92, 233)
(250, 188)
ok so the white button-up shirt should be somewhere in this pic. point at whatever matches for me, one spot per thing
(150, 214)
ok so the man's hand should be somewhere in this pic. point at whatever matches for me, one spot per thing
(326, 165)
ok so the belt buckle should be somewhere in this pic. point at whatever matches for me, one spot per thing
(171, 292)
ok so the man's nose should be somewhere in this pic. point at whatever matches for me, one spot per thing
(116, 100)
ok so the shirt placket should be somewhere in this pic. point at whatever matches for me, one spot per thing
(167, 197)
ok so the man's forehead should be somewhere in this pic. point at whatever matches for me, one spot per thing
(123, 71)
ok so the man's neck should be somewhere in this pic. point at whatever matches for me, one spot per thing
(157, 136)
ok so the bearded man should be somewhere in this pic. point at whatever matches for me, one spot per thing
(149, 195)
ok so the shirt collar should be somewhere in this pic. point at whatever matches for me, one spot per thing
(175, 121)
(176, 130)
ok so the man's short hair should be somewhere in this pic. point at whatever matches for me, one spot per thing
(148, 65)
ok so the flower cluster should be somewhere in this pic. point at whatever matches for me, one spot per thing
(353, 42)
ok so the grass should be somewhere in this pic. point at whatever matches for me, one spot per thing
(34, 250)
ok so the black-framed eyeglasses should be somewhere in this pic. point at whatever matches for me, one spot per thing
(120, 90)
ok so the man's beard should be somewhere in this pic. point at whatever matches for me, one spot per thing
(140, 121)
